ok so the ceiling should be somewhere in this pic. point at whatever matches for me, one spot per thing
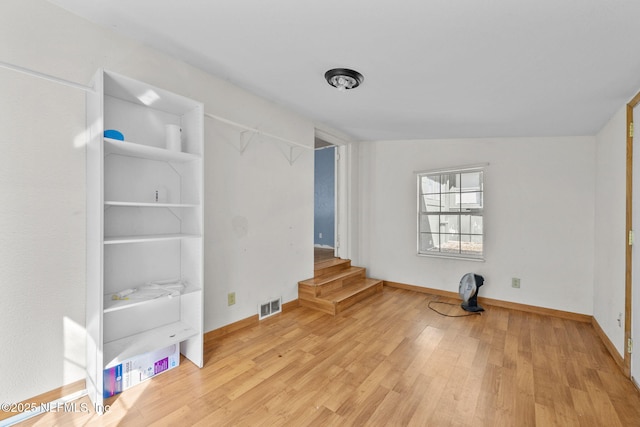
(432, 68)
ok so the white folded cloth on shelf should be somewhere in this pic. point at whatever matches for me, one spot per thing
(172, 288)
(152, 290)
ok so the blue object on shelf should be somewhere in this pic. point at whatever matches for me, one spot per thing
(113, 134)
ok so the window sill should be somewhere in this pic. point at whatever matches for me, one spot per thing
(456, 257)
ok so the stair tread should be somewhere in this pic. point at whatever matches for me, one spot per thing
(319, 281)
(329, 263)
(351, 290)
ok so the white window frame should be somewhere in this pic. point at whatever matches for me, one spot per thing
(469, 211)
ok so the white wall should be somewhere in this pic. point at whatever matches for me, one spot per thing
(610, 228)
(259, 208)
(539, 217)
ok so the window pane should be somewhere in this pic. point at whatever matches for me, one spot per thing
(431, 203)
(429, 242)
(430, 184)
(450, 243)
(450, 223)
(450, 183)
(429, 223)
(451, 202)
(470, 200)
(471, 245)
(471, 181)
(471, 224)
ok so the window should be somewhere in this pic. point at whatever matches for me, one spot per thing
(450, 212)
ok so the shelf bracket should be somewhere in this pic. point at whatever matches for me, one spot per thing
(292, 154)
(246, 136)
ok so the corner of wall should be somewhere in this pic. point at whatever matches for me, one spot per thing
(610, 229)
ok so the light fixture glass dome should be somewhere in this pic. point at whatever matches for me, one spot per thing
(343, 78)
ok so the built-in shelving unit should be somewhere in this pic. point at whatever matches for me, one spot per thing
(144, 225)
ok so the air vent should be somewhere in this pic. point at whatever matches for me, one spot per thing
(270, 308)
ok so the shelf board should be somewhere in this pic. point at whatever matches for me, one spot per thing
(115, 305)
(150, 205)
(117, 351)
(149, 238)
(132, 149)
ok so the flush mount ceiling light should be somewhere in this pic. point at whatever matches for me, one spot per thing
(343, 78)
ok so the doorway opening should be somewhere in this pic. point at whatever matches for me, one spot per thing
(324, 235)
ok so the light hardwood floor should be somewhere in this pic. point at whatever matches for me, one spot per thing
(388, 361)
(322, 254)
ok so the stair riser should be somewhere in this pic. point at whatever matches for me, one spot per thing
(320, 305)
(355, 278)
(332, 270)
(332, 286)
(306, 292)
(342, 305)
(340, 283)
(327, 280)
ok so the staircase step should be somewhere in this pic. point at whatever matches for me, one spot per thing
(346, 297)
(330, 266)
(328, 278)
(339, 299)
(336, 285)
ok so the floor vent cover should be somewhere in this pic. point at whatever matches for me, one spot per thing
(270, 308)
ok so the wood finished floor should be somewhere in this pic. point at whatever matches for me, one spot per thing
(322, 254)
(388, 361)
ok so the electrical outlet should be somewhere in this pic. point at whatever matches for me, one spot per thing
(515, 282)
(319, 235)
(231, 298)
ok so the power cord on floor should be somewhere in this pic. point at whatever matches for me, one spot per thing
(450, 315)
